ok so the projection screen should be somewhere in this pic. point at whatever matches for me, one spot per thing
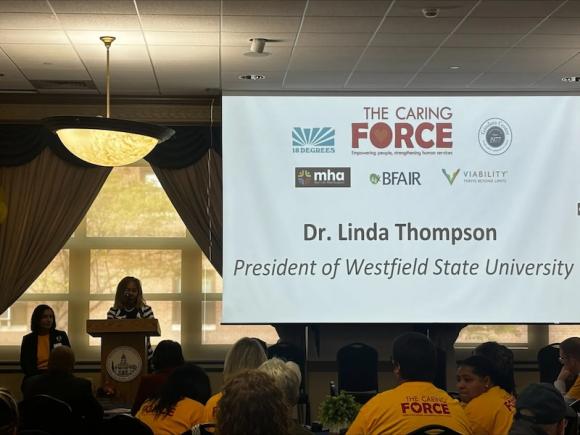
(401, 209)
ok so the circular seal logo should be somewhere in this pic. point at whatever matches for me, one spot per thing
(124, 364)
(495, 136)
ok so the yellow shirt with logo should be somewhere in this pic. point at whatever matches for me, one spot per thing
(209, 413)
(42, 351)
(574, 391)
(187, 413)
(492, 412)
(410, 406)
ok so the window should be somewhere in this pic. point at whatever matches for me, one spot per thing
(506, 334)
(132, 229)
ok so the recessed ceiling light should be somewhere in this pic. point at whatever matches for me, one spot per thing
(252, 77)
(571, 79)
(454, 67)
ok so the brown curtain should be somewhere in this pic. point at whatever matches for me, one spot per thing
(196, 193)
(46, 200)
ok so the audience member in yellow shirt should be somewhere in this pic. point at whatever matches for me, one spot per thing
(180, 403)
(416, 402)
(489, 408)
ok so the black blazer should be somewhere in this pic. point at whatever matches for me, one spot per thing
(28, 349)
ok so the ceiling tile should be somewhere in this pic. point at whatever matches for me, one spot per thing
(450, 79)
(47, 62)
(279, 8)
(273, 81)
(526, 60)
(131, 37)
(554, 81)
(33, 37)
(233, 59)
(378, 81)
(570, 9)
(28, 21)
(11, 78)
(482, 40)
(178, 7)
(103, 23)
(356, 8)
(468, 59)
(323, 59)
(562, 26)
(498, 25)
(24, 6)
(506, 80)
(182, 23)
(339, 24)
(551, 41)
(515, 8)
(181, 38)
(119, 7)
(333, 39)
(447, 8)
(243, 39)
(407, 40)
(392, 59)
(312, 80)
(258, 25)
(569, 68)
(419, 25)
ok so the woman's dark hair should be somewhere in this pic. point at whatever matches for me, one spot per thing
(481, 366)
(416, 356)
(252, 404)
(167, 354)
(502, 359)
(119, 294)
(37, 315)
(188, 380)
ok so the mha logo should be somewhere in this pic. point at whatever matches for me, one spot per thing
(313, 140)
(322, 177)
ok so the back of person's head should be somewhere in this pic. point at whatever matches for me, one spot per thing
(37, 315)
(286, 376)
(167, 354)
(246, 353)
(503, 360)
(571, 347)
(543, 405)
(252, 404)
(8, 413)
(415, 357)
(481, 366)
(61, 360)
(189, 381)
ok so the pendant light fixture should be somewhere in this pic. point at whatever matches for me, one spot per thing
(107, 141)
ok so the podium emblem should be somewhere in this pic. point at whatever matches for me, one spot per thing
(124, 364)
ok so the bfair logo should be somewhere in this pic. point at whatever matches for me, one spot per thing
(403, 131)
(313, 140)
(396, 178)
(322, 177)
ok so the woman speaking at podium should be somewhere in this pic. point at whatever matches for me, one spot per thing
(129, 304)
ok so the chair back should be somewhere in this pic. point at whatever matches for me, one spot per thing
(48, 414)
(124, 424)
(434, 429)
(358, 370)
(549, 363)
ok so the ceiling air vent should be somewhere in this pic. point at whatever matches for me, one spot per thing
(62, 85)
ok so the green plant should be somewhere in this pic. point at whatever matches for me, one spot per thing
(338, 411)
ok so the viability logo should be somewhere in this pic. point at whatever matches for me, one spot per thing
(322, 177)
(313, 140)
(451, 176)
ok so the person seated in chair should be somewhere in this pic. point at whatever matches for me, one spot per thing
(570, 358)
(8, 413)
(502, 359)
(415, 402)
(287, 378)
(489, 408)
(60, 383)
(541, 410)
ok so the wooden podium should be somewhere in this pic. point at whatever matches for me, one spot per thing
(123, 352)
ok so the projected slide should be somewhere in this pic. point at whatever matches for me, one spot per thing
(401, 209)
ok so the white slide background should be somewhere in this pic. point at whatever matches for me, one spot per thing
(528, 192)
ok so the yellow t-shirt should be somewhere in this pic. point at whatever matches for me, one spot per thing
(408, 407)
(209, 412)
(42, 351)
(187, 413)
(574, 391)
(492, 412)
